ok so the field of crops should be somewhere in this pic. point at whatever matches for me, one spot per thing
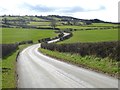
(93, 36)
(12, 35)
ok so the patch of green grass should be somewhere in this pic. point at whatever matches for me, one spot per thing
(105, 65)
(12, 35)
(9, 68)
(103, 24)
(93, 36)
(39, 23)
(8, 71)
(73, 27)
(94, 25)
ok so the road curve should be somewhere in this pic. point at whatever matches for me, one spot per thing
(36, 70)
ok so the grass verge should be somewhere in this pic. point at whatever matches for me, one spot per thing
(105, 65)
(9, 68)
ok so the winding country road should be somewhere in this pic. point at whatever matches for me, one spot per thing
(36, 70)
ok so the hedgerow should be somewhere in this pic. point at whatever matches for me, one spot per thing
(7, 49)
(99, 49)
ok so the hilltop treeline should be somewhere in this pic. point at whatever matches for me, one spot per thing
(100, 49)
(7, 49)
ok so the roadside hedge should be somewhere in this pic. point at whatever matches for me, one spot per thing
(99, 49)
(25, 42)
(7, 49)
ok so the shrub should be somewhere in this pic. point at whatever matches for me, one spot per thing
(25, 42)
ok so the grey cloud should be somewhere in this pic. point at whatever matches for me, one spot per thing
(72, 9)
(39, 8)
(43, 8)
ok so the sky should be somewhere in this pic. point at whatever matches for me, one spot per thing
(106, 10)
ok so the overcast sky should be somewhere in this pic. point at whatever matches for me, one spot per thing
(106, 10)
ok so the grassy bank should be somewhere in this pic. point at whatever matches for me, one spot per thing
(93, 36)
(105, 65)
(9, 68)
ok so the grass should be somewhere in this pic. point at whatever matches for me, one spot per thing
(8, 71)
(39, 23)
(102, 65)
(103, 24)
(23, 17)
(12, 35)
(73, 27)
(93, 36)
(9, 68)
(94, 25)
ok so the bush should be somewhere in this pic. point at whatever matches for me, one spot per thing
(26, 42)
(44, 40)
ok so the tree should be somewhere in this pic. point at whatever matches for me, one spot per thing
(69, 22)
(75, 22)
(5, 21)
(87, 22)
(53, 24)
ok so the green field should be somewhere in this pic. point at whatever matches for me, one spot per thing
(103, 24)
(39, 24)
(93, 36)
(12, 35)
(94, 25)
(73, 27)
